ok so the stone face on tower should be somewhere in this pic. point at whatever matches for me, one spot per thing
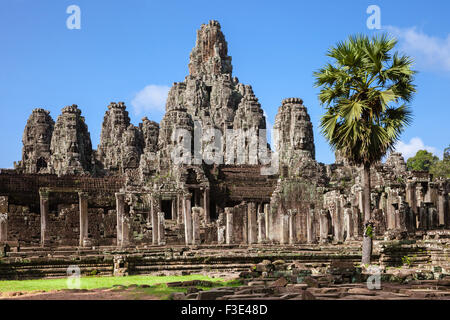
(150, 133)
(176, 134)
(296, 140)
(396, 162)
(36, 142)
(71, 145)
(249, 119)
(115, 123)
(121, 143)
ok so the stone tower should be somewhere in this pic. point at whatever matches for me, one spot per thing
(150, 134)
(210, 55)
(396, 162)
(211, 97)
(121, 143)
(71, 146)
(249, 119)
(176, 132)
(36, 142)
(294, 127)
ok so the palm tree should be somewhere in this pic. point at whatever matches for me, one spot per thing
(364, 93)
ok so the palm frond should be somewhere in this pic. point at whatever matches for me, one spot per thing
(361, 90)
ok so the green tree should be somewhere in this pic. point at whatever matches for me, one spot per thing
(441, 169)
(422, 161)
(447, 154)
(363, 93)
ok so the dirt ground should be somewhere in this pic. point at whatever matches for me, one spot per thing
(96, 294)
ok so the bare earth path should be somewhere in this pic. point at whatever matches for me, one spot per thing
(96, 294)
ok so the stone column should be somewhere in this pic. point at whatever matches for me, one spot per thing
(261, 227)
(361, 200)
(284, 227)
(180, 206)
(441, 208)
(196, 217)
(187, 220)
(432, 218)
(3, 227)
(348, 222)
(323, 222)
(402, 215)
(422, 217)
(4, 208)
(174, 209)
(291, 226)
(338, 223)
(155, 225)
(356, 221)
(411, 196)
(149, 218)
(428, 197)
(221, 230)
(125, 230)
(310, 234)
(266, 219)
(44, 196)
(120, 210)
(206, 205)
(4, 204)
(390, 214)
(161, 229)
(419, 195)
(252, 224)
(243, 209)
(83, 203)
(229, 225)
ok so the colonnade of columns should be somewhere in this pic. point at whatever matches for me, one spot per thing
(84, 220)
(255, 223)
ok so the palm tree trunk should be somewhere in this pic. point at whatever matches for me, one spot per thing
(367, 238)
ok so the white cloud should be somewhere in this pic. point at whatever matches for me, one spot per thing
(151, 98)
(428, 51)
(410, 149)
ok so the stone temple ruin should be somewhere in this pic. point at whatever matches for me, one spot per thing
(131, 201)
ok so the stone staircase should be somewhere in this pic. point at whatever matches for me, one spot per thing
(37, 262)
(432, 252)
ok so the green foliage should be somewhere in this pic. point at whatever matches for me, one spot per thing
(441, 169)
(406, 260)
(94, 272)
(369, 231)
(422, 161)
(446, 156)
(363, 91)
(426, 161)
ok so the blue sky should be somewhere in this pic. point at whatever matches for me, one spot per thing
(124, 47)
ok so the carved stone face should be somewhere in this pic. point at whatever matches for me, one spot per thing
(301, 139)
(73, 147)
(42, 135)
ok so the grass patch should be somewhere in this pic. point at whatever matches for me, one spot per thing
(89, 282)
